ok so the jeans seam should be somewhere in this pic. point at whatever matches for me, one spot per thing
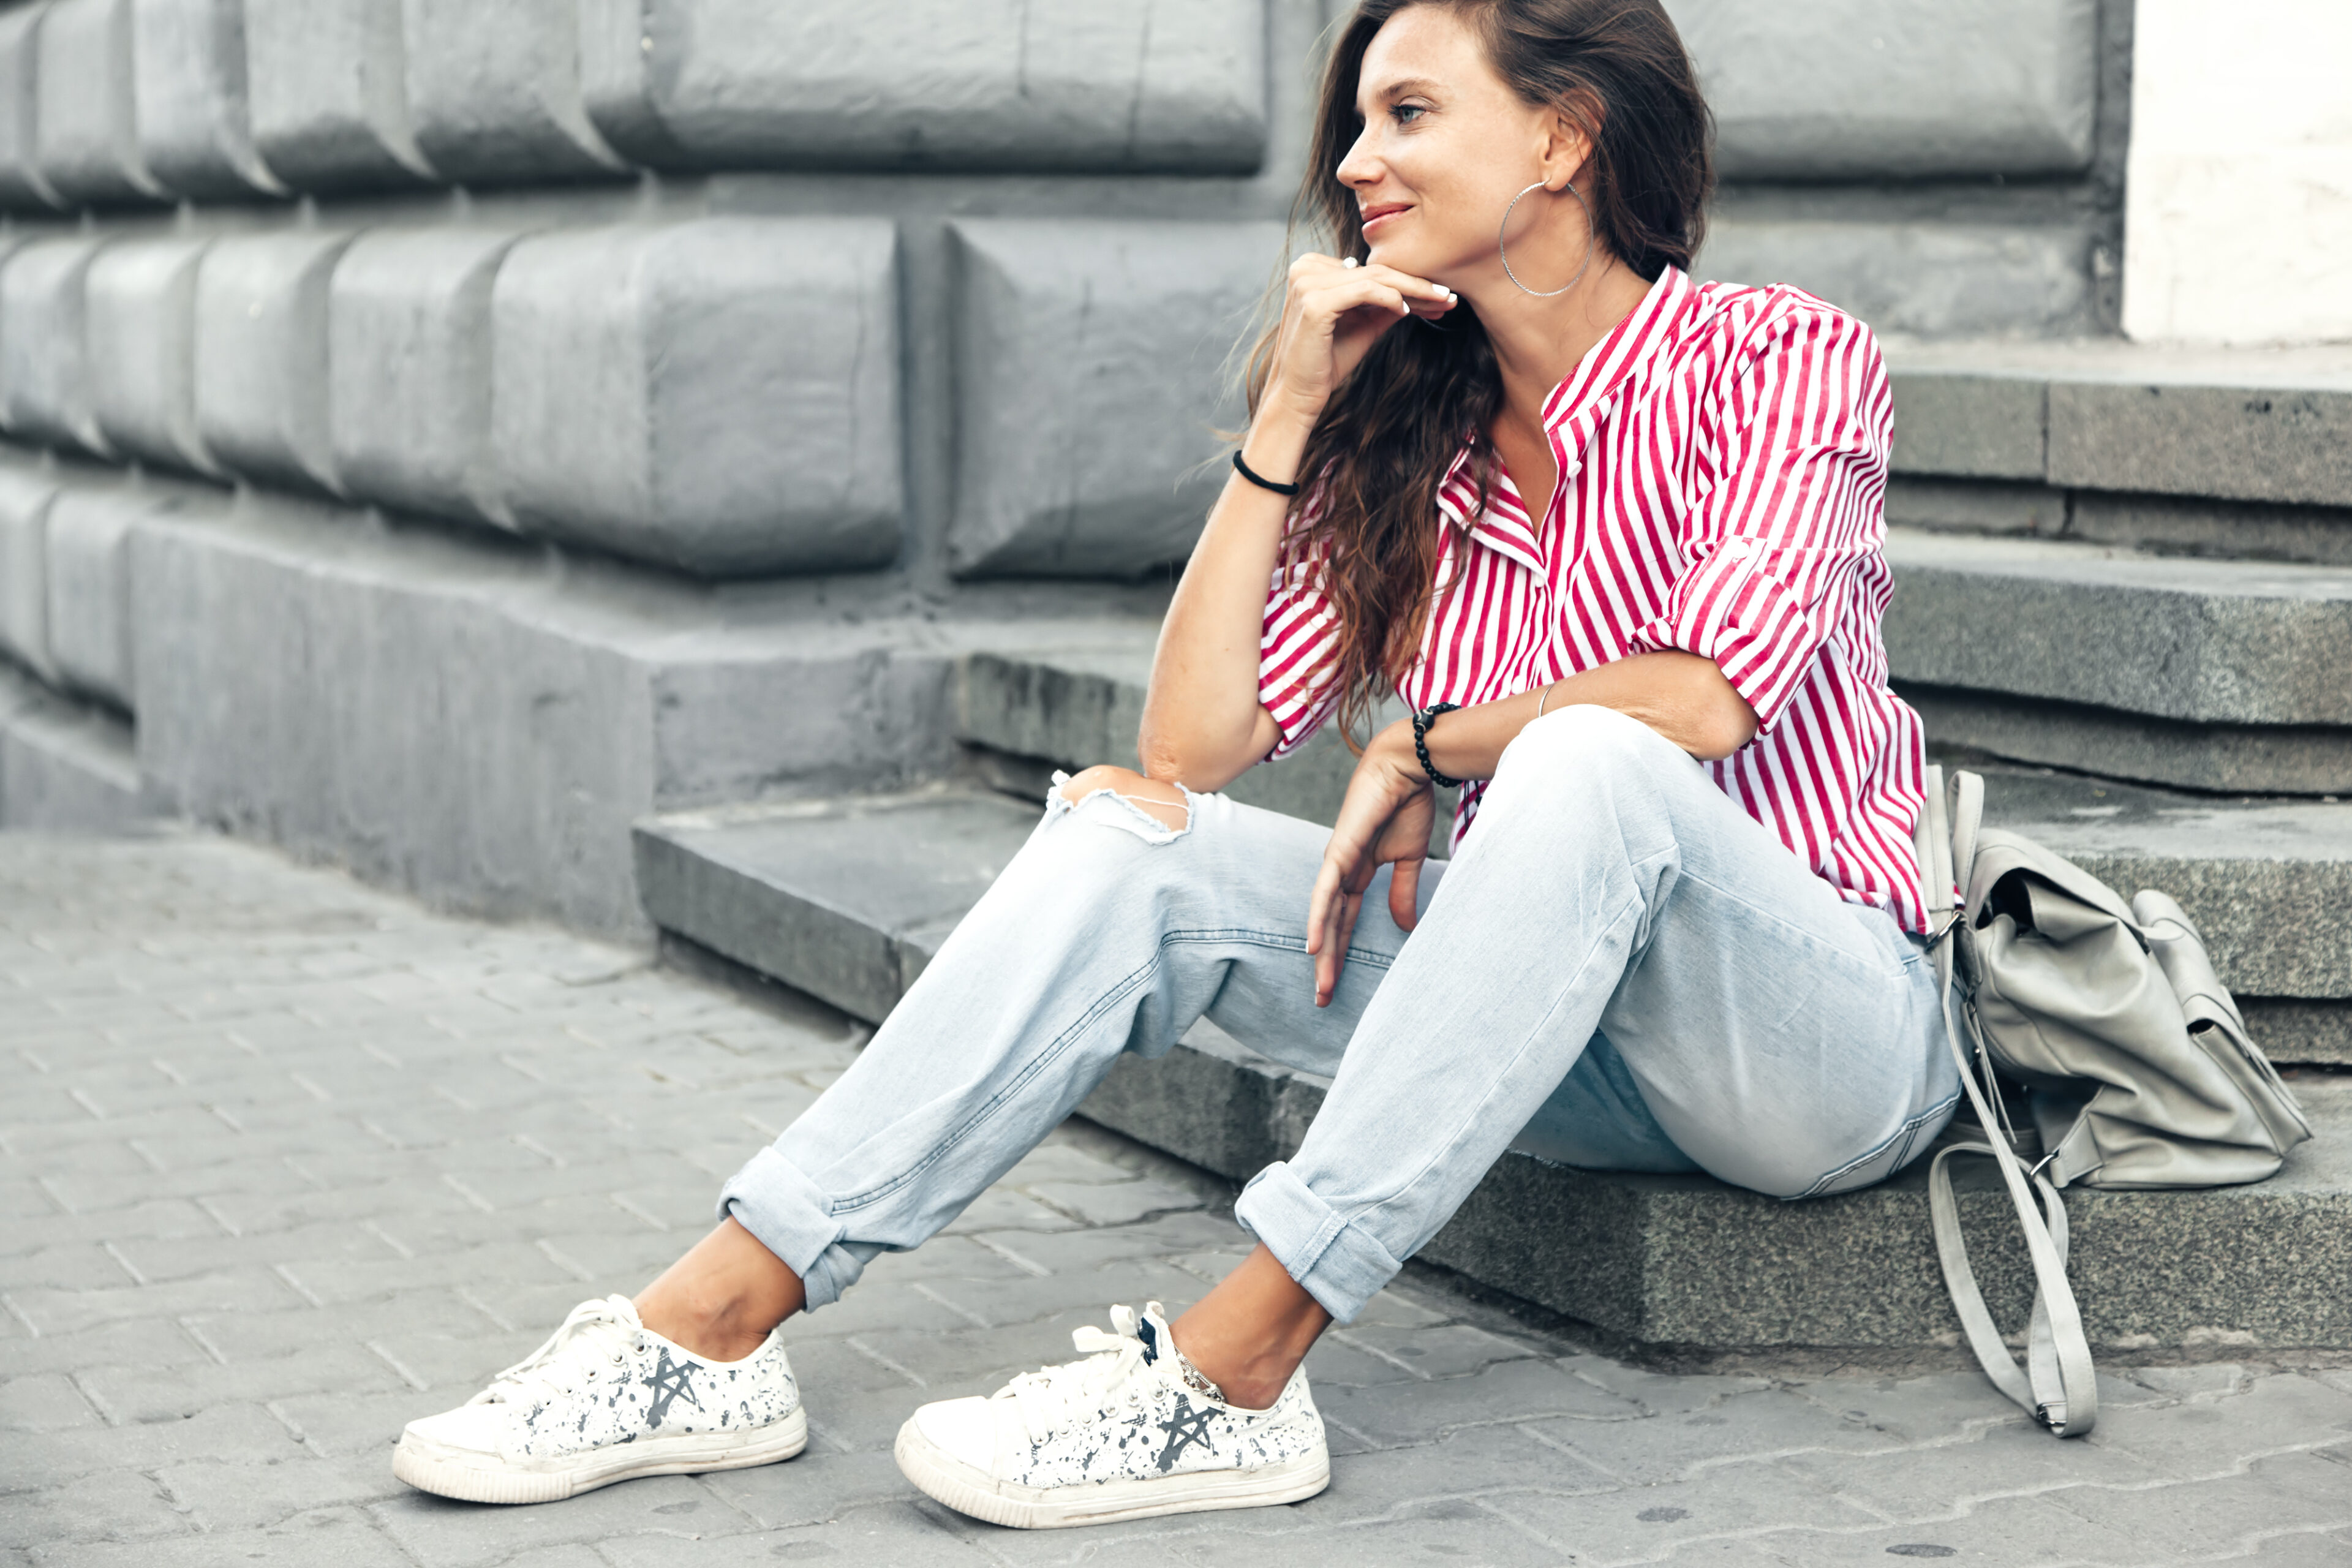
(1123, 987)
(1908, 1131)
(1349, 1221)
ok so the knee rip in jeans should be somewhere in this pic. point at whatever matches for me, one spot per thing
(1154, 811)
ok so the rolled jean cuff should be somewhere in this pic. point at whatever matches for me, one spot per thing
(1333, 1259)
(775, 1201)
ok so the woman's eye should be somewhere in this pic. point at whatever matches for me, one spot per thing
(1406, 113)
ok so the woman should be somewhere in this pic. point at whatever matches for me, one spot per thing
(1615, 536)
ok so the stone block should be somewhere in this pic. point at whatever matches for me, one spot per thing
(408, 360)
(1069, 460)
(195, 131)
(2228, 642)
(494, 91)
(967, 84)
(2231, 759)
(26, 496)
(329, 91)
(2238, 439)
(64, 767)
(719, 396)
(826, 895)
(89, 590)
(44, 365)
(442, 711)
(1869, 90)
(261, 355)
(89, 134)
(1969, 426)
(22, 187)
(139, 332)
(1919, 279)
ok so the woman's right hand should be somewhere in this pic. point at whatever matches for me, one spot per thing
(1332, 315)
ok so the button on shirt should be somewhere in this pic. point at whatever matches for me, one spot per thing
(1723, 459)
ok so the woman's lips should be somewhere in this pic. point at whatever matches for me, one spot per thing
(1379, 215)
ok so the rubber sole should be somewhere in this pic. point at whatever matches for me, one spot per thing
(967, 1490)
(480, 1478)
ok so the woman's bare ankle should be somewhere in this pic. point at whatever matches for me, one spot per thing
(1249, 1334)
(724, 1298)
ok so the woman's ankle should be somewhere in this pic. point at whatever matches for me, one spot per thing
(724, 1298)
(1249, 1334)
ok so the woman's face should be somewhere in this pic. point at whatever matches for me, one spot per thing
(1444, 147)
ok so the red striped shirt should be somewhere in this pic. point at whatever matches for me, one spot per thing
(1723, 459)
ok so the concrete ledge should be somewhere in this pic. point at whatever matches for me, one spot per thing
(940, 84)
(1068, 461)
(195, 131)
(2216, 642)
(63, 767)
(481, 720)
(838, 901)
(2251, 759)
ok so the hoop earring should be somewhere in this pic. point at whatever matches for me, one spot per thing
(1591, 239)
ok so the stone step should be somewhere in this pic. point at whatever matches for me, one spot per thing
(2263, 426)
(2259, 876)
(850, 899)
(2218, 675)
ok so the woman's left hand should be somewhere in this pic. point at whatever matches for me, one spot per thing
(1385, 820)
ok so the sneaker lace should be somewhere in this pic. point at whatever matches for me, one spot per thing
(1054, 1398)
(606, 1330)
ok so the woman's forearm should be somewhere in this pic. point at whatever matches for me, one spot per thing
(1203, 723)
(1681, 696)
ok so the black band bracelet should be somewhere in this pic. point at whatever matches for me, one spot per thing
(1420, 723)
(1260, 480)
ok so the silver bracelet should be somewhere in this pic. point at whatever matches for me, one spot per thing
(1544, 699)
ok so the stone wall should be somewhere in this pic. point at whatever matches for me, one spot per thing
(814, 316)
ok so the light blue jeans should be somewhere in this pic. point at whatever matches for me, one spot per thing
(1620, 970)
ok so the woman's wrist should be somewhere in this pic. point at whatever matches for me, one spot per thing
(1276, 442)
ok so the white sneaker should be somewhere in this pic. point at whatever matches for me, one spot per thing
(1121, 1435)
(605, 1399)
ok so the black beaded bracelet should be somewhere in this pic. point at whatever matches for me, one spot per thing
(1260, 480)
(1420, 723)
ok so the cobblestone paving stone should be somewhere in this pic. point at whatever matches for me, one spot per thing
(285, 1161)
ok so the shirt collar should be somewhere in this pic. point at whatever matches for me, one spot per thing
(1574, 410)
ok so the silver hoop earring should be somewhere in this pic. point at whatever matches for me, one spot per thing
(1590, 239)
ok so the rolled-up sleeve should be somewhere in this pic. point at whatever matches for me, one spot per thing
(1792, 495)
(1296, 675)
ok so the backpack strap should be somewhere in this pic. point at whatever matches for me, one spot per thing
(2057, 1385)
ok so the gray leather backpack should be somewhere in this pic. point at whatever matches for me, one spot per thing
(2135, 1061)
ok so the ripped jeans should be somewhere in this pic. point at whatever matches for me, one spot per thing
(1620, 970)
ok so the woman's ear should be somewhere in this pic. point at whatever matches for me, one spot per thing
(1567, 148)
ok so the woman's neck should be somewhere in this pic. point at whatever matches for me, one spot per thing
(1539, 342)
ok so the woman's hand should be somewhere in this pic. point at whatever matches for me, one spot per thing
(1385, 820)
(1331, 316)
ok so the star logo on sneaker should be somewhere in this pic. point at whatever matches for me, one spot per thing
(1187, 1425)
(669, 1380)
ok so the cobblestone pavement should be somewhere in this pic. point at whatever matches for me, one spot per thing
(289, 1161)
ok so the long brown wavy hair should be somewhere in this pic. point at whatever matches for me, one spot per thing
(1385, 440)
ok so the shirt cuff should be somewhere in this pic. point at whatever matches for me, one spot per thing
(1730, 609)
